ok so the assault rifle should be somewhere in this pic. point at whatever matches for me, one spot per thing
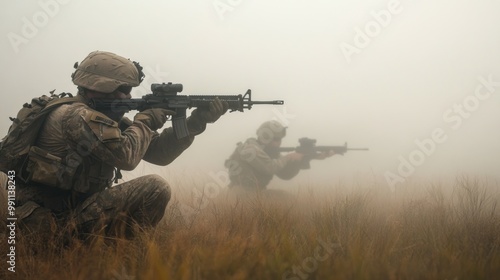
(165, 96)
(310, 150)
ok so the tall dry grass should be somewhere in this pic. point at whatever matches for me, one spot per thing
(421, 231)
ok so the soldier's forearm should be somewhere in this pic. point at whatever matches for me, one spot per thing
(165, 147)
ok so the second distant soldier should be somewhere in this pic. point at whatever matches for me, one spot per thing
(255, 162)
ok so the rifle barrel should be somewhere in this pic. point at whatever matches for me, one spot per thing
(272, 102)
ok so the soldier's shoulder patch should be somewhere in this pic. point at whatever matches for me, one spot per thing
(104, 120)
(103, 127)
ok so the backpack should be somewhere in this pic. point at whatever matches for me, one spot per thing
(23, 132)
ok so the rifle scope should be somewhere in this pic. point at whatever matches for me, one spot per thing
(166, 88)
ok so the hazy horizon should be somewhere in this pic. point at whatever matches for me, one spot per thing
(418, 83)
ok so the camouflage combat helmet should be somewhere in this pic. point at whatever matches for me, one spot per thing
(105, 72)
(270, 130)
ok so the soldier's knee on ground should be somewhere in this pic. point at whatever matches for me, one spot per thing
(141, 201)
(156, 195)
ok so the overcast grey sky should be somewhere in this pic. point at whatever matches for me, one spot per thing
(383, 74)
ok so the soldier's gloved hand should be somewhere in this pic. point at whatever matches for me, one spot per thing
(324, 154)
(295, 156)
(211, 114)
(154, 118)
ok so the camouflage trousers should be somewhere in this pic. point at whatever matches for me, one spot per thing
(115, 211)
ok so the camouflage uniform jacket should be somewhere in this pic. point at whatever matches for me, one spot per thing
(252, 167)
(89, 146)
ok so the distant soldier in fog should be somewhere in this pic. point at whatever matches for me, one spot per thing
(255, 162)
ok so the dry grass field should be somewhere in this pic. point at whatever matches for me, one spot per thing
(420, 231)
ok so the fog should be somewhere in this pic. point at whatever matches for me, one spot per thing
(414, 81)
